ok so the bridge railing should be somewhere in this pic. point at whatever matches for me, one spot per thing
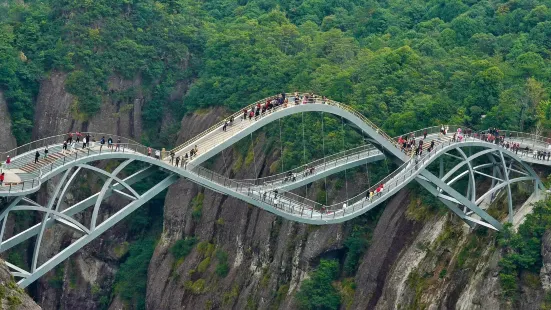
(312, 99)
(395, 179)
(285, 201)
(67, 157)
(55, 140)
(219, 125)
(304, 171)
(434, 130)
(526, 137)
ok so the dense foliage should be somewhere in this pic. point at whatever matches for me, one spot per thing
(522, 250)
(405, 64)
(318, 291)
(131, 279)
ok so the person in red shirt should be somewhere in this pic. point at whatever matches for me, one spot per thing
(2, 178)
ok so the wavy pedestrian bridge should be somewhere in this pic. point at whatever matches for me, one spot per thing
(466, 175)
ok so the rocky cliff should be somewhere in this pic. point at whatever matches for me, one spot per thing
(11, 296)
(120, 112)
(7, 140)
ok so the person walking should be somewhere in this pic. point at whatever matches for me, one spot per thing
(172, 157)
(2, 177)
(425, 135)
(84, 142)
(225, 126)
(46, 153)
(36, 157)
(101, 143)
(110, 143)
(64, 147)
(157, 154)
(118, 146)
(177, 161)
(149, 151)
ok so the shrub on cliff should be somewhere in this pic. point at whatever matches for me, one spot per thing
(318, 291)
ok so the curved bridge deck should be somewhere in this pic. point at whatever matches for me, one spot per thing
(503, 166)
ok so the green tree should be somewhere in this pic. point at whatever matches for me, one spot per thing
(318, 291)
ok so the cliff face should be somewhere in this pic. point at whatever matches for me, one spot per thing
(11, 296)
(120, 112)
(7, 140)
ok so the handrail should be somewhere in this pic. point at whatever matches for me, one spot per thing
(313, 98)
(316, 163)
(216, 126)
(68, 157)
(40, 143)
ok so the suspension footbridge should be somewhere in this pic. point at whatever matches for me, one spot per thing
(440, 169)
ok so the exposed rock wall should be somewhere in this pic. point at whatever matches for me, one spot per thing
(11, 296)
(7, 140)
(120, 112)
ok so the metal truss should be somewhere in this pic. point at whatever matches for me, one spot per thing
(53, 215)
(506, 170)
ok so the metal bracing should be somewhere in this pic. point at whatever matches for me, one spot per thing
(75, 209)
(45, 218)
(106, 185)
(97, 231)
(509, 195)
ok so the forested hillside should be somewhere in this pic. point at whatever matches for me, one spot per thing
(397, 61)
(405, 64)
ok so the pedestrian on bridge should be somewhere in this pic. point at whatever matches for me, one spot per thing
(46, 153)
(64, 147)
(225, 125)
(101, 143)
(118, 146)
(172, 157)
(149, 151)
(2, 176)
(177, 160)
(157, 154)
(84, 142)
(36, 157)
(425, 135)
